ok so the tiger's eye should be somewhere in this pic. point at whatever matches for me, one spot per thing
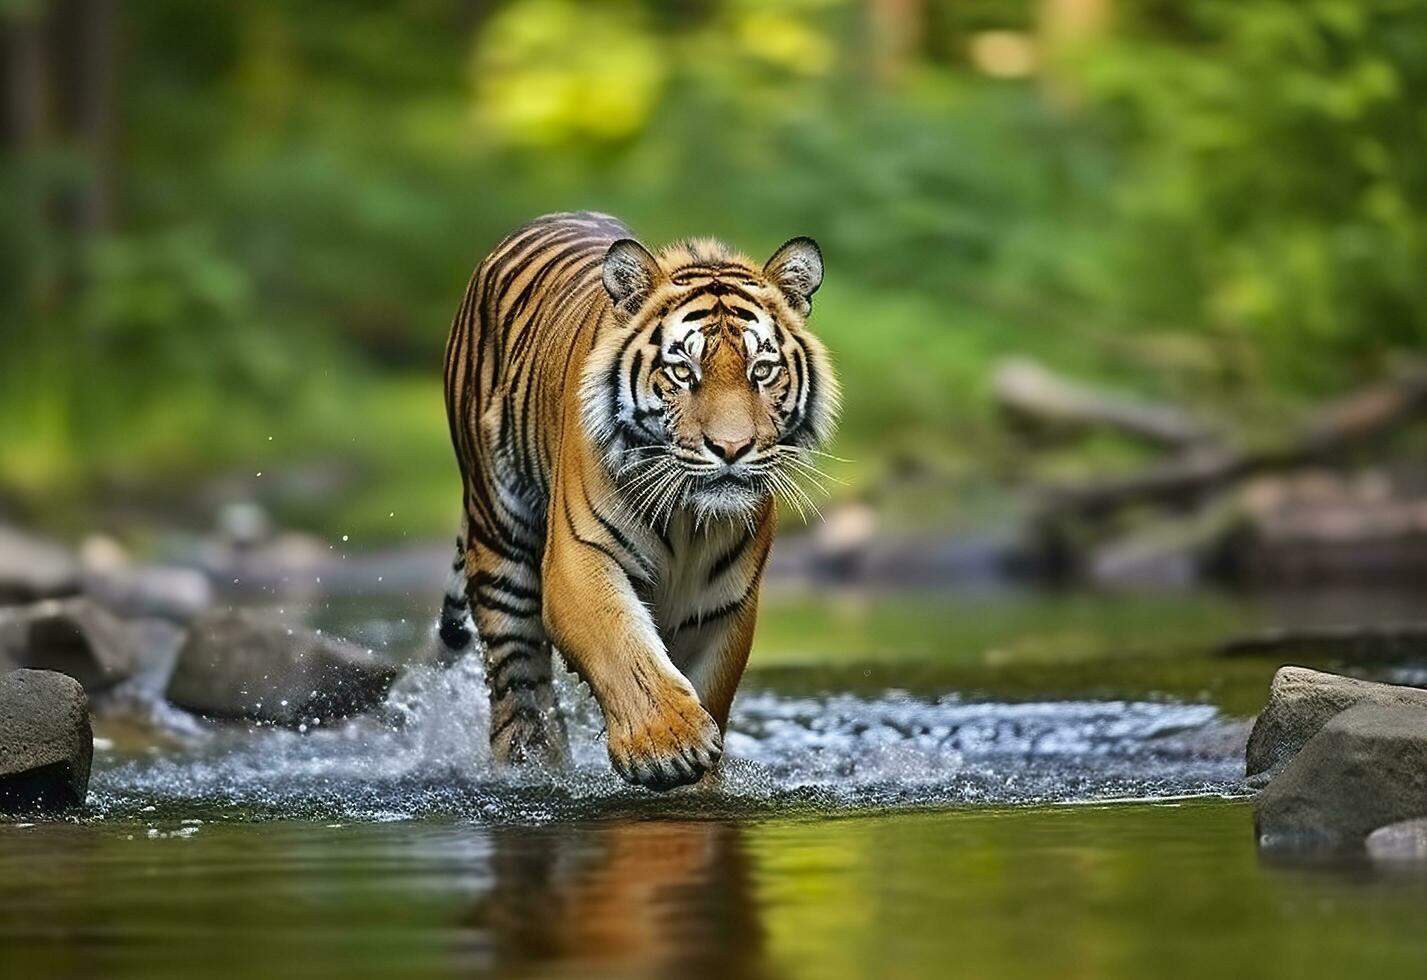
(680, 373)
(763, 371)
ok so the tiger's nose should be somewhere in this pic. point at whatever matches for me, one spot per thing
(729, 450)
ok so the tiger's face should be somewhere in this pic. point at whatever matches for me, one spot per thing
(712, 394)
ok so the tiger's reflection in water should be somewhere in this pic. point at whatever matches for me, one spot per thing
(649, 898)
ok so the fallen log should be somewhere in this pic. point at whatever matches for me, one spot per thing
(1349, 423)
(1034, 398)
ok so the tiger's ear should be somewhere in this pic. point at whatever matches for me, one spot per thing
(630, 272)
(797, 268)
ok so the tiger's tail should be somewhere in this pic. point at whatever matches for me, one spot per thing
(456, 630)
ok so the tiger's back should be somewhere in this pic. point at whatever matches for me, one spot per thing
(530, 312)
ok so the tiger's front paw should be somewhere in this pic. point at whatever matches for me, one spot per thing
(667, 747)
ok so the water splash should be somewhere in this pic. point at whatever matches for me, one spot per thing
(425, 754)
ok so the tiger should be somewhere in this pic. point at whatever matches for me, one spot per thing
(623, 422)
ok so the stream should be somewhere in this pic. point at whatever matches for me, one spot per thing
(1019, 785)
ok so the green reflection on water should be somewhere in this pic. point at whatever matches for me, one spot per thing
(1012, 645)
(1079, 891)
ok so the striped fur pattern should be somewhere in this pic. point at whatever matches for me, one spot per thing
(623, 421)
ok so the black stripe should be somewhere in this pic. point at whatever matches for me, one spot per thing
(523, 712)
(635, 366)
(576, 272)
(722, 611)
(513, 551)
(493, 640)
(515, 656)
(726, 560)
(506, 584)
(712, 616)
(641, 574)
(518, 684)
(722, 288)
(806, 417)
(609, 526)
(487, 601)
(615, 369)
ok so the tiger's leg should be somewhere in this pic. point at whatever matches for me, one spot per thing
(505, 595)
(659, 735)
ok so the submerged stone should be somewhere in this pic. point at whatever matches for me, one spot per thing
(1404, 841)
(46, 744)
(240, 664)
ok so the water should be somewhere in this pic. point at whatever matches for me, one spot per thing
(1117, 891)
(1006, 786)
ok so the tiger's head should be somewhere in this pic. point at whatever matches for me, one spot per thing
(711, 392)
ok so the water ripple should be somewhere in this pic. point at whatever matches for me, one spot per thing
(425, 755)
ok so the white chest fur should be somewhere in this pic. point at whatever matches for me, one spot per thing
(694, 577)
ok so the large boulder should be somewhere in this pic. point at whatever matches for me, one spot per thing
(1300, 703)
(240, 664)
(1364, 769)
(46, 745)
(73, 636)
(32, 568)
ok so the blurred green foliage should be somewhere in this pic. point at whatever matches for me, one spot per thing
(1211, 201)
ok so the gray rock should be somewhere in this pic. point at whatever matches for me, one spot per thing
(1364, 769)
(1404, 841)
(141, 591)
(177, 594)
(33, 569)
(1300, 703)
(239, 664)
(73, 636)
(46, 744)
